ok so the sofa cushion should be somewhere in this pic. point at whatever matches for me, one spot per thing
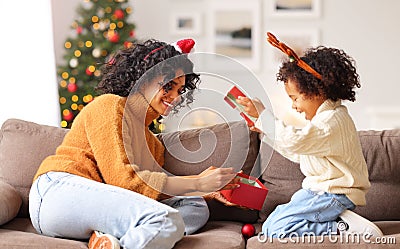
(381, 151)
(189, 152)
(23, 146)
(215, 234)
(11, 239)
(10, 202)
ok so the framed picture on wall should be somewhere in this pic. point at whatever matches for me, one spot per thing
(294, 8)
(235, 30)
(185, 23)
(298, 39)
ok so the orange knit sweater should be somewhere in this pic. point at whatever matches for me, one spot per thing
(109, 142)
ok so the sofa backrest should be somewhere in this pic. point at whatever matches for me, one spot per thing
(381, 151)
(23, 146)
(189, 152)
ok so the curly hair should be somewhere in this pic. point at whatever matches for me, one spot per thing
(339, 76)
(121, 74)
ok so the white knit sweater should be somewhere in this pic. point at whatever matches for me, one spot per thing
(328, 150)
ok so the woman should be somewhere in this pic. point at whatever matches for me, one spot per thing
(104, 180)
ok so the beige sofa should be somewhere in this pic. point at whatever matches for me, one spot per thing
(23, 145)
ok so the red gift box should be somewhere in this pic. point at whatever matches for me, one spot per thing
(251, 193)
(231, 98)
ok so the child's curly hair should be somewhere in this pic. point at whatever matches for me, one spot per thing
(339, 76)
(121, 74)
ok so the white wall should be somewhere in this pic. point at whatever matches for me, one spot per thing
(366, 29)
(28, 87)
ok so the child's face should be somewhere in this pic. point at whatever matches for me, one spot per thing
(302, 103)
(163, 101)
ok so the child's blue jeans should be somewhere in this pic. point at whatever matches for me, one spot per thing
(70, 206)
(307, 213)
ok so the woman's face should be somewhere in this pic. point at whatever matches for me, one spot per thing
(302, 103)
(163, 101)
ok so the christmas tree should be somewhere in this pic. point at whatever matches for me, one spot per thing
(100, 30)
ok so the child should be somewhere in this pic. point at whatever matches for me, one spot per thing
(104, 180)
(327, 148)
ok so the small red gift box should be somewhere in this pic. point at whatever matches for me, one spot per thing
(231, 98)
(250, 194)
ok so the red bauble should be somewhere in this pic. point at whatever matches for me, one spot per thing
(248, 230)
(114, 38)
(88, 72)
(72, 88)
(119, 14)
(79, 30)
(132, 33)
(127, 44)
(68, 117)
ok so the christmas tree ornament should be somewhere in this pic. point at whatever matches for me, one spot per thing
(96, 53)
(72, 87)
(79, 30)
(114, 38)
(248, 230)
(132, 33)
(88, 72)
(87, 5)
(127, 44)
(119, 14)
(100, 13)
(68, 115)
(102, 25)
(73, 62)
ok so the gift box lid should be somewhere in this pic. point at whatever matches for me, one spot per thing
(251, 193)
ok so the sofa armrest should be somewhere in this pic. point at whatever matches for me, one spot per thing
(10, 202)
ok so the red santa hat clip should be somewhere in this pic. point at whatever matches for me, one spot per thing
(184, 46)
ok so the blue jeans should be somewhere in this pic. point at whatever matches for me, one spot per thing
(307, 213)
(70, 206)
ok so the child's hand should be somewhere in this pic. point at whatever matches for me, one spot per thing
(253, 107)
(253, 128)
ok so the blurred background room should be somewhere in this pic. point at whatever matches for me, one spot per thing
(35, 35)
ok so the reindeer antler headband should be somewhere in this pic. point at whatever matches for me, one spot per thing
(292, 55)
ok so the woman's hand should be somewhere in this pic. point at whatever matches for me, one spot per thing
(210, 180)
(253, 107)
(213, 178)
